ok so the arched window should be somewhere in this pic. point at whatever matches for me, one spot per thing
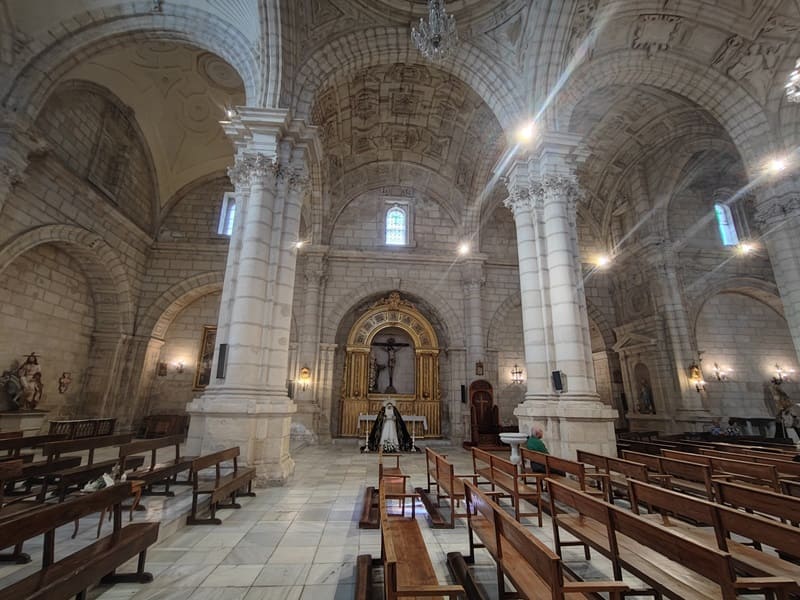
(396, 227)
(725, 224)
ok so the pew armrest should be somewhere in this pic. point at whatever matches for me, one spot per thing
(754, 583)
(429, 590)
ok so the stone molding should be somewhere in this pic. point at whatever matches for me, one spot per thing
(775, 210)
(253, 169)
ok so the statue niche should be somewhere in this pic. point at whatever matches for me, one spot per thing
(392, 354)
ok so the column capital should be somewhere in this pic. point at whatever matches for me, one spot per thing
(315, 267)
(520, 197)
(472, 273)
(253, 168)
(554, 188)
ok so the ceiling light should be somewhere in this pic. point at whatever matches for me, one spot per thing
(745, 248)
(526, 132)
(230, 113)
(777, 165)
(437, 36)
(603, 261)
(299, 244)
(464, 248)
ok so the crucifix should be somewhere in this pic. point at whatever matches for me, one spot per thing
(391, 346)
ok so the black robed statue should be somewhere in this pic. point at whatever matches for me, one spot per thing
(389, 432)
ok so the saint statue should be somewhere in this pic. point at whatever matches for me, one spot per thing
(30, 379)
(389, 432)
(646, 405)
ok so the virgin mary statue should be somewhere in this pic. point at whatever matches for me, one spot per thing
(389, 432)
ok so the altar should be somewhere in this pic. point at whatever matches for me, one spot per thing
(392, 355)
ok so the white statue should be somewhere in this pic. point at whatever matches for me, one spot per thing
(389, 437)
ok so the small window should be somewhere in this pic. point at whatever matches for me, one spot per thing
(727, 228)
(396, 227)
(227, 215)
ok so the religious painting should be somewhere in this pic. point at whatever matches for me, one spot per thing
(202, 376)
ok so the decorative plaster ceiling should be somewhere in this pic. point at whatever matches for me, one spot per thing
(179, 95)
(408, 113)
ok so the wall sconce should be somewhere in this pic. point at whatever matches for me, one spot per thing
(179, 367)
(781, 374)
(721, 373)
(161, 369)
(305, 377)
(696, 377)
(516, 375)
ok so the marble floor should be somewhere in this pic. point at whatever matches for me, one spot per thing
(295, 542)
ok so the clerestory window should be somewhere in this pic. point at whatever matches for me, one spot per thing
(227, 215)
(725, 224)
(396, 226)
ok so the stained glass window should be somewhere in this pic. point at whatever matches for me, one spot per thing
(727, 229)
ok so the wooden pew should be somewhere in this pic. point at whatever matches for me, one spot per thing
(619, 471)
(83, 428)
(673, 565)
(449, 486)
(7, 435)
(75, 477)
(750, 472)
(503, 474)
(763, 502)
(407, 567)
(156, 473)
(688, 477)
(14, 446)
(71, 575)
(568, 472)
(786, 468)
(221, 486)
(534, 570)
(726, 522)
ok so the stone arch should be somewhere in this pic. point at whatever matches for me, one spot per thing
(738, 112)
(359, 182)
(383, 45)
(30, 88)
(163, 311)
(187, 189)
(600, 320)
(101, 263)
(447, 316)
(764, 291)
(513, 301)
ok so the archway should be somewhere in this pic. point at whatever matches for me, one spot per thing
(360, 392)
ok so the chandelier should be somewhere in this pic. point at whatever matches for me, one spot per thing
(438, 36)
(793, 85)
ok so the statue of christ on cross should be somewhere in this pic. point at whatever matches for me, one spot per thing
(390, 346)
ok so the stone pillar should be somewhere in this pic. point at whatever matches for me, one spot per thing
(249, 407)
(472, 278)
(308, 400)
(778, 219)
(543, 194)
(325, 390)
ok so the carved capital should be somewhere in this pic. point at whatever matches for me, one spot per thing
(315, 269)
(520, 199)
(253, 169)
(473, 276)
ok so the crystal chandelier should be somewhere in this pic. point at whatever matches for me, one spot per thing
(436, 38)
(793, 85)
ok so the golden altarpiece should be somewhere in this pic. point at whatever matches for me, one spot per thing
(357, 399)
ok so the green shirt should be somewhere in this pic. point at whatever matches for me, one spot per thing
(536, 444)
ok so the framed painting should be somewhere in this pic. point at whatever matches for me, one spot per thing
(202, 375)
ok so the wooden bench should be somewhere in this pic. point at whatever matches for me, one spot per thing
(533, 569)
(449, 486)
(14, 446)
(763, 502)
(164, 425)
(71, 575)
(749, 472)
(619, 471)
(568, 472)
(673, 565)
(221, 487)
(725, 522)
(157, 473)
(785, 467)
(512, 484)
(83, 428)
(407, 568)
(688, 477)
(75, 477)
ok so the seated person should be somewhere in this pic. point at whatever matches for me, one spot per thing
(536, 444)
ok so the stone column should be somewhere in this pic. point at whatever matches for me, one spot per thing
(778, 219)
(249, 407)
(542, 194)
(472, 279)
(308, 401)
(326, 390)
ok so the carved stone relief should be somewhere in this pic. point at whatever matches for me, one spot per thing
(655, 33)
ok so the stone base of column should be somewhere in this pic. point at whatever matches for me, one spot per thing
(258, 423)
(570, 425)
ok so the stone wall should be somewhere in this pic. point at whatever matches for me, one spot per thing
(46, 307)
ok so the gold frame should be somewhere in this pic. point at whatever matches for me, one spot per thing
(207, 344)
(356, 398)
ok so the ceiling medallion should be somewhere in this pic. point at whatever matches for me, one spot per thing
(793, 85)
(438, 36)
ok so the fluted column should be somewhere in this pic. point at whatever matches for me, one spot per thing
(249, 405)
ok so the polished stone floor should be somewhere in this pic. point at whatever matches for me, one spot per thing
(294, 542)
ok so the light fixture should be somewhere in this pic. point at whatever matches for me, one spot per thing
(696, 377)
(603, 261)
(745, 248)
(781, 374)
(179, 366)
(299, 244)
(438, 36)
(777, 165)
(793, 84)
(721, 373)
(463, 248)
(516, 375)
(526, 133)
(305, 377)
(230, 113)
